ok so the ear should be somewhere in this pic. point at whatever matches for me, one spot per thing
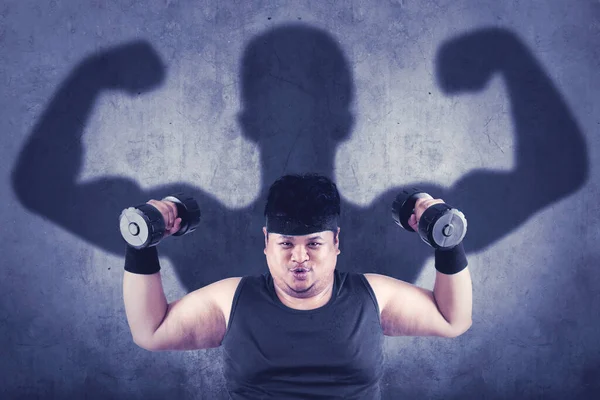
(336, 240)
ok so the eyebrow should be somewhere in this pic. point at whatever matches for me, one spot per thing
(291, 237)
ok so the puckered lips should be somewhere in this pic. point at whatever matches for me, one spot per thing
(300, 272)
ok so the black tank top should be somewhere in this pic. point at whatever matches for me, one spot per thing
(273, 351)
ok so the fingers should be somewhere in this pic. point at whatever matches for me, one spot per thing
(421, 205)
(172, 210)
(169, 214)
(176, 227)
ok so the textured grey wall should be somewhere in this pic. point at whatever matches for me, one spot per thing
(492, 106)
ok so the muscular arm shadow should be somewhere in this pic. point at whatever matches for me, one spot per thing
(44, 177)
(551, 160)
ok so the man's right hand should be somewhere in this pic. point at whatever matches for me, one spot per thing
(169, 213)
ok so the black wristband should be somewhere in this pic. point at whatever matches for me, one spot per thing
(451, 261)
(143, 261)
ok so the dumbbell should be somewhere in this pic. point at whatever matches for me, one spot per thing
(143, 225)
(441, 226)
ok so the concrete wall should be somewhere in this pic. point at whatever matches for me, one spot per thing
(492, 106)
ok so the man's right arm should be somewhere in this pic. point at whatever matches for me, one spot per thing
(196, 321)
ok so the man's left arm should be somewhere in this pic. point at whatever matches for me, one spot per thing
(408, 310)
(453, 295)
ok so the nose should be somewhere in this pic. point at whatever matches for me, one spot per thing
(299, 254)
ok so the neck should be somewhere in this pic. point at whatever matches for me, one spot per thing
(319, 299)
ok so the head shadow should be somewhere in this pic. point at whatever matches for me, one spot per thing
(297, 92)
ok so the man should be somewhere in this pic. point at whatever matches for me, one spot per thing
(304, 329)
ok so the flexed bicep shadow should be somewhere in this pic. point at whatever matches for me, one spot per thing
(551, 159)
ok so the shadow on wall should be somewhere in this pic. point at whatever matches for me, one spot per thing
(297, 92)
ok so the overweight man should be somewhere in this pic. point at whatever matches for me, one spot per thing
(303, 329)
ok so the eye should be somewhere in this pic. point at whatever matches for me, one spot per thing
(285, 244)
(315, 244)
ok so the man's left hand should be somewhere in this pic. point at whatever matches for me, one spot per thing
(421, 205)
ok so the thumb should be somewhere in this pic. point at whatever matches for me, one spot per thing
(175, 227)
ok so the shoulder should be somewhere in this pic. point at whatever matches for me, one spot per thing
(223, 285)
(384, 283)
(223, 291)
(378, 285)
(384, 287)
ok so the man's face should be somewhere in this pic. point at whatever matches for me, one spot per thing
(302, 266)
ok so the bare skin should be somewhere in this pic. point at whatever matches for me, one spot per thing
(316, 254)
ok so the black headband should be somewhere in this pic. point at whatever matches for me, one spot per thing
(295, 227)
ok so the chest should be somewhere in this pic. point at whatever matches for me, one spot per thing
(341, 345)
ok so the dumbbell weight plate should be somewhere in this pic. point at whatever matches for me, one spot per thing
(442, 226)
(141, 226)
